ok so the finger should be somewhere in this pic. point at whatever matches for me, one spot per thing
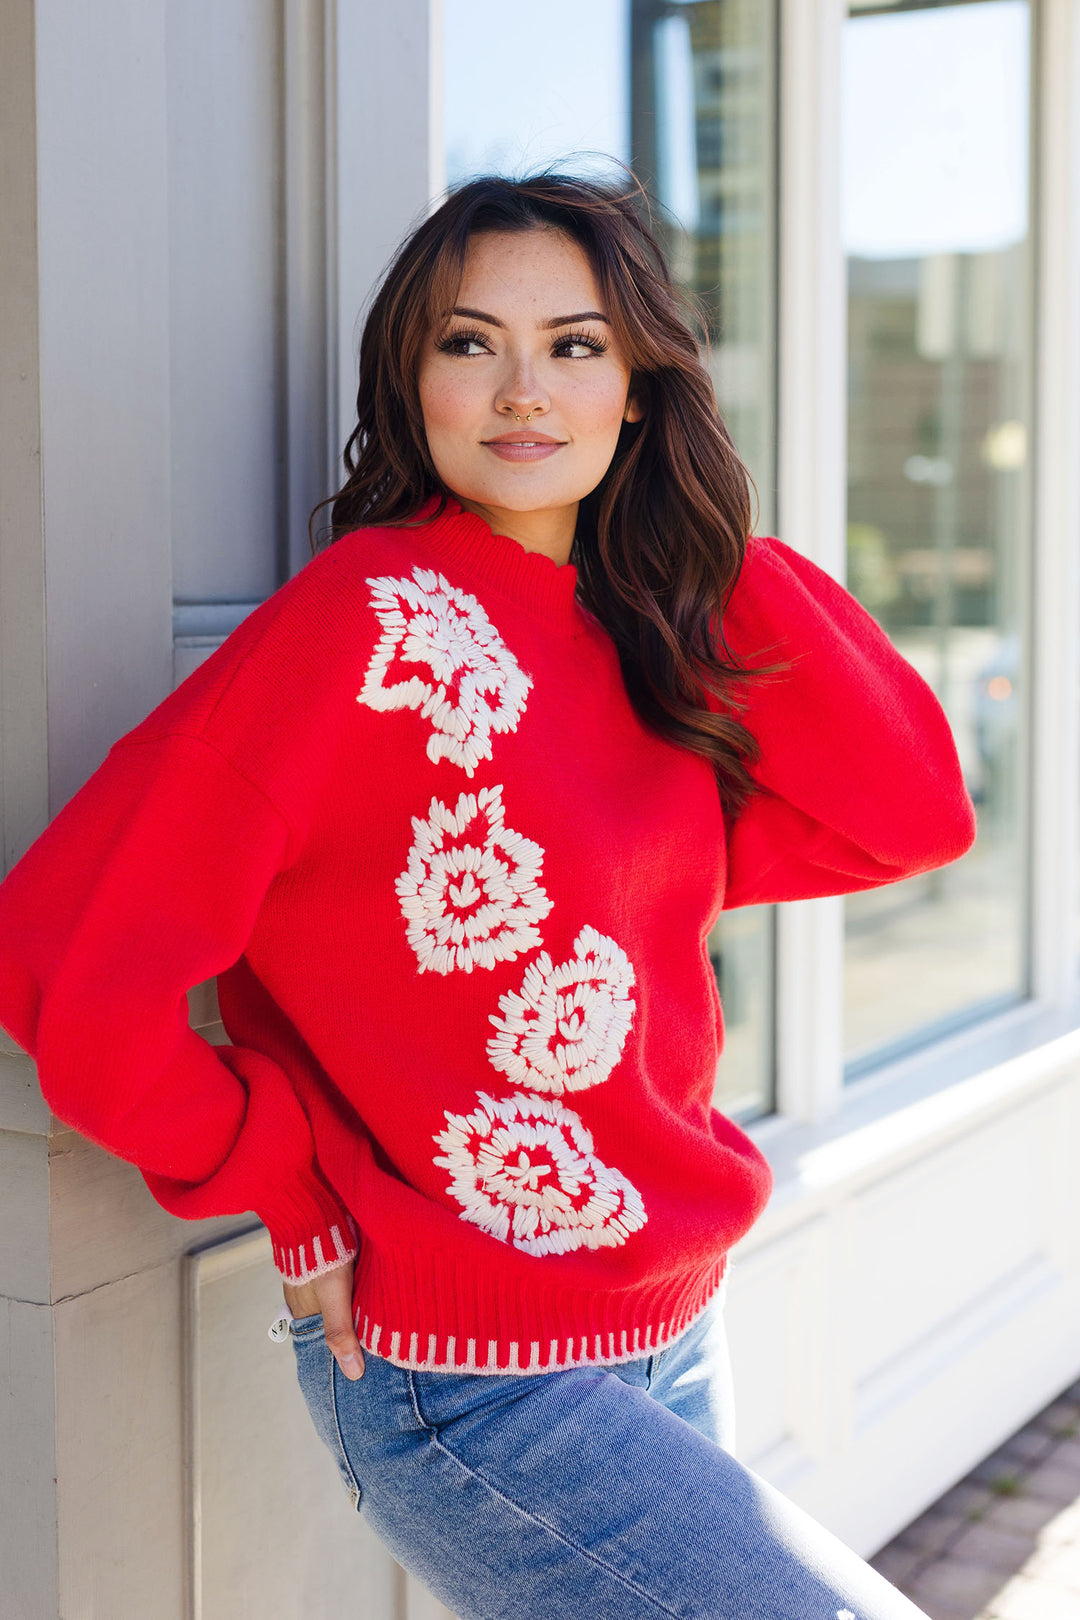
(335, 1300)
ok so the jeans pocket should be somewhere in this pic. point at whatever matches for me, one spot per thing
(316, 1373)
(303, 1328)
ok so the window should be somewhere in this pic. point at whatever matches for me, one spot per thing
(935, 112)
(685, 93)
(703, 120)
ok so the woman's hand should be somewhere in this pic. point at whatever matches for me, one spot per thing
(331, 1294)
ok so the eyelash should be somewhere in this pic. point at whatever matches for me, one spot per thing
(586, 340)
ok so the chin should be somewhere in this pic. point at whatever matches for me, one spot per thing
(518, 497)
(521, 495)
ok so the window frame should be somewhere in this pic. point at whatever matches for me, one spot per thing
(812, 448)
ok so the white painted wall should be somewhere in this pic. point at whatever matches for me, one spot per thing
(911, 1295)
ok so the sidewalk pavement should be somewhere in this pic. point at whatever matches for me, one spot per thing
(1004, 1543)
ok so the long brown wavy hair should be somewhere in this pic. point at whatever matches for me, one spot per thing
(660, 542)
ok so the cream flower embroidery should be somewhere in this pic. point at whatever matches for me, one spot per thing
(475, 686)
(523, 1169)
(469, 895)
(564, 1029)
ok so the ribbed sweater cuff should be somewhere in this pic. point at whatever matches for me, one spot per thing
(311, 1230)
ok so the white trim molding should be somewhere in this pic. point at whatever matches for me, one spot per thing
(1055, 624)
(811, 488)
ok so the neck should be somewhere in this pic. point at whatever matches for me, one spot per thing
(551, 532)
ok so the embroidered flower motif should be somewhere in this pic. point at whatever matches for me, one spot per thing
(469, 894)
(524, 1171)
(564, 1029)
(476, 685)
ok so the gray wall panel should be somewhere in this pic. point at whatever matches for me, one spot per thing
(28, 1539)
(104, 300)
(225, 296)
(23, 754)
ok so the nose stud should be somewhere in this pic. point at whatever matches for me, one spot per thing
(528, 418)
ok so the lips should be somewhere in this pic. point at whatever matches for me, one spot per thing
(523, 446)
(520, 436)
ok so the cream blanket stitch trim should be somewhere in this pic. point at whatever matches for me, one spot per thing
(375, 1338)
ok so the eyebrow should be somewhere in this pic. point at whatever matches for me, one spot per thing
(558, 320)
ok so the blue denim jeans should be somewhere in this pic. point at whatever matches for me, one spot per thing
(593, 1493)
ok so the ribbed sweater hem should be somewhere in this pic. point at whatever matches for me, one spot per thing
(572, 1328)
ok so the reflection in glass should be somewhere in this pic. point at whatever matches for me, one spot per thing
(742, 951)
(935, 218)
(703, 121)
(685, 93)
(703, 135)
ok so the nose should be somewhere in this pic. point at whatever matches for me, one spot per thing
(522, 396)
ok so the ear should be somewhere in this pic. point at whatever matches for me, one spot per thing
(634, 410)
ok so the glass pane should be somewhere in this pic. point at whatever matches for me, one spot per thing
(935, 208)
(742, 951)
(526, 86)
(703, 123)
(685, 93)
(703, 135)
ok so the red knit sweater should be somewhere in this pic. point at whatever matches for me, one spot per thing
(456, 896)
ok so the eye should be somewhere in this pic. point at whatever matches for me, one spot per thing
(465, 344)
(586, 343)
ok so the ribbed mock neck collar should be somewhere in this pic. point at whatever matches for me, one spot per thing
(459, 538)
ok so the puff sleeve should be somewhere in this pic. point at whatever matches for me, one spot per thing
(860, 783)
(147, 883)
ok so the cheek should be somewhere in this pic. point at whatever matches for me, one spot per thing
(447, 403)
(598, 404)
(441, 410)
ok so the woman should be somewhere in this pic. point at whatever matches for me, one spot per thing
(450, 816)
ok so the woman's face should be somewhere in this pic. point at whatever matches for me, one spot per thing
(523, 388)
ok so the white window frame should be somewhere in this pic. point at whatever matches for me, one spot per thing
(812, 452)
